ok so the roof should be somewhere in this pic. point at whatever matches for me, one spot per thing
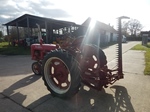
(100, 25)
(146, 33)
(22, 22)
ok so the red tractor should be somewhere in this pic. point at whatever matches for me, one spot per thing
(72, 62)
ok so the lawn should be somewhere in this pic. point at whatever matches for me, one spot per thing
(147, 56)
(6, 49)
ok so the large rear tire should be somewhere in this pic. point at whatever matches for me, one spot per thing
(93, 60)
(93, 55)
(61, 74)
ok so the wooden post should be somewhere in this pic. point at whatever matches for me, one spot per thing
(7, 27)
(17, 31)
(28, 27)
(46, 31)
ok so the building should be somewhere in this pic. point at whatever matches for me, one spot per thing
(145, 37)
(95, 32)
(51, 27)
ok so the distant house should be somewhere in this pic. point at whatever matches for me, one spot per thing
(145, 37)
(100, 33)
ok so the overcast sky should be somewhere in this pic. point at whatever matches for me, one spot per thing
(78, 10)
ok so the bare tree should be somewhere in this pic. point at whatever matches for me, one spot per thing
(13, 33)
(1, 34)
(125, 28)
(2, 28)
(133, 26)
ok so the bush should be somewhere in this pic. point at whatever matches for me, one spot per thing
(6, 49)
(1, 40)
(134, 38)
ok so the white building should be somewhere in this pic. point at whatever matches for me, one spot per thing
(98, 32)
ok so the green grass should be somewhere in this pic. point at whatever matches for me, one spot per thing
(147, 56)
(6, 49)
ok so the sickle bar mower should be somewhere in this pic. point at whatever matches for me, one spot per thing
(66, 65)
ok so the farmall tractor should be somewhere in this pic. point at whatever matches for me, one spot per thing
(66, 65)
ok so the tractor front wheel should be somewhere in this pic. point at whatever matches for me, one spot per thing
(61, 74)
(36, 68)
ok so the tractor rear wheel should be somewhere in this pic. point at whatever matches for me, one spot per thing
(61, 74)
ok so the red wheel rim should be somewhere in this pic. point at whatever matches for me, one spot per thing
(36, 68)
(57, 75)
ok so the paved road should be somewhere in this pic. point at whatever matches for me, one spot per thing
(111, 51)
(22, 91)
